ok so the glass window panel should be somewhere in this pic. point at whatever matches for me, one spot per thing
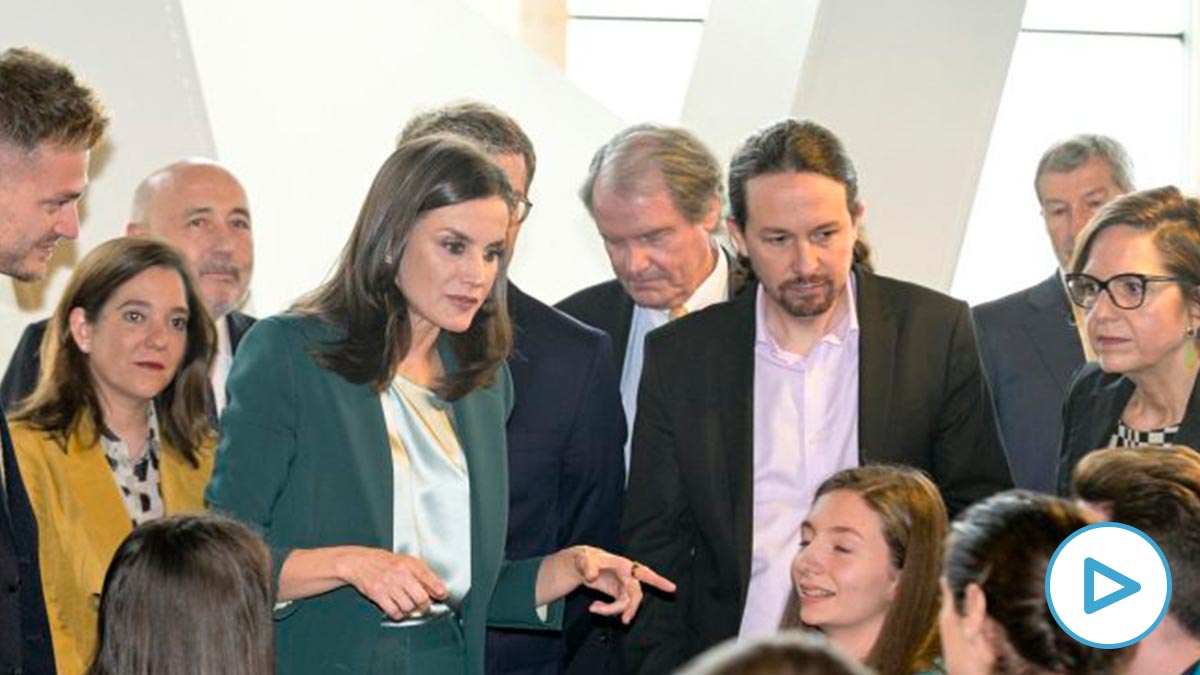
(646, 79)
(1130, 88)
(1125, 16)
(660, 9)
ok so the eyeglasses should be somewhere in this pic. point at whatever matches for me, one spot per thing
(524, 206)
(1127, 291)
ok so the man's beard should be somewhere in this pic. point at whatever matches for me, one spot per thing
(809, 302)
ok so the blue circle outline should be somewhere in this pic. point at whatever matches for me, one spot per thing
(1050, 602)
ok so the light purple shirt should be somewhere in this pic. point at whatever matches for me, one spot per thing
(805, 430)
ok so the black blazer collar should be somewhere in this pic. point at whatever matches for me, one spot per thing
(736, 378)
(876, 360)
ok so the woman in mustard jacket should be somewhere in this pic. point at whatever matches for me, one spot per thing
(116, 432)
(365, 437)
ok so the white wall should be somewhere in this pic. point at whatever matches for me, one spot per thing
(910, 87)
(303, 101)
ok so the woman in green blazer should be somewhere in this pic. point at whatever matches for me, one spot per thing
(365, 437)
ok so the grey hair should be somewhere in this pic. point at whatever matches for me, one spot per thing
(644, 151)
(1070, 154)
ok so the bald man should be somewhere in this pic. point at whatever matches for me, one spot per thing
(201, 209)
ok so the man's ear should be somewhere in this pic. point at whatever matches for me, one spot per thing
(857, 213)
(135, 229)
(739, 239)
(81, 330)
(714, 214)
(974, 612)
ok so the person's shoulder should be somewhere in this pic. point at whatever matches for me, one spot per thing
(289, 326)
(548, 321)
(35, 330)
(1003, 304)
(912, 304)
(586, 299)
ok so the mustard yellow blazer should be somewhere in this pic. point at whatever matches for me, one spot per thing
(81, 522)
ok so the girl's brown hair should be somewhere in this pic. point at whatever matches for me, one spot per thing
(913, 515)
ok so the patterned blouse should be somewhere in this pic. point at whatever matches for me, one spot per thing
(138, 480)
(1125, 437)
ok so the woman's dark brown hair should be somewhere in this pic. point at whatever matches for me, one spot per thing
(187, 595)
(1003, 545)
(66, 388)
(361, 296)
(913, 516)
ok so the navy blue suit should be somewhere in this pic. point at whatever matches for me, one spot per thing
(24, 631)
(1030, 348)
(566, 466)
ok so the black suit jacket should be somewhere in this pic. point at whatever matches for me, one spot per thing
(25, 644)
(1092, 411)
(1030, 348)
(22, 373)
(608, 307)
(566, 439)
(923, 402)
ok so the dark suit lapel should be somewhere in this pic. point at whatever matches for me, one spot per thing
(1190, 427)
(238, 324)
(736, 377)
(1051, 332)
(1109, 405)
(876, 365)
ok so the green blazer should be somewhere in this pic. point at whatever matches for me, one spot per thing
(304, 457)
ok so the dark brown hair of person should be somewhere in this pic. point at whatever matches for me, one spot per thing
(786, 653)
(484, 124)
(361, 297)
(913, 516)
(66, 388)
(1156, 490)
(41, 101)
(798, 146)
(187, 595)
(1171, 218)
(1003, 545)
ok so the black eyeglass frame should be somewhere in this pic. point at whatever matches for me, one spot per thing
(1103, 285)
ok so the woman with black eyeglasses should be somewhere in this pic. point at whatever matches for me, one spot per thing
(1135, 276)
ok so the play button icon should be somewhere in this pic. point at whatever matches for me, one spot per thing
(1108, 585)
(1093, 567)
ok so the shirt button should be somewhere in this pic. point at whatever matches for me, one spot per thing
(13, 585)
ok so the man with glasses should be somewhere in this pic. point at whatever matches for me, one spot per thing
(565, 434)
(1030, 341)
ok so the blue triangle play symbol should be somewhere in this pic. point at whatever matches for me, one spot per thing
(1092, 567)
